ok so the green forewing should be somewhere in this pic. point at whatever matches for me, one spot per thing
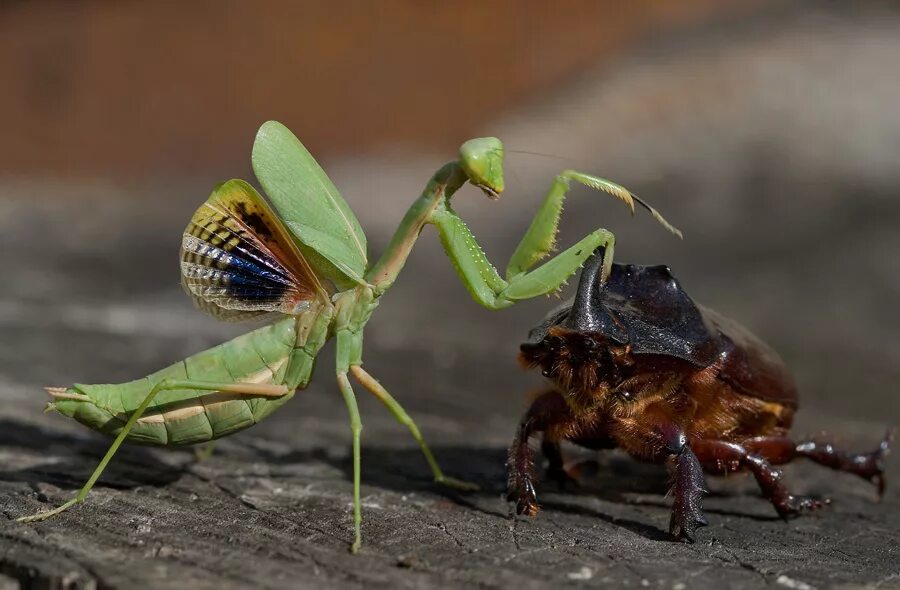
(309, 204)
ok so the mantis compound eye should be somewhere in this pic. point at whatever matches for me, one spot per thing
(482, 161)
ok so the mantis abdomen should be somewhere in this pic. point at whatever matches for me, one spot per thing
(188, 416)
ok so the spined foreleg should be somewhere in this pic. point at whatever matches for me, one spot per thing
(654, 435)
(687, 483)
(720, 457)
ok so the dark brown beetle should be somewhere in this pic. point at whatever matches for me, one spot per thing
(636, 364)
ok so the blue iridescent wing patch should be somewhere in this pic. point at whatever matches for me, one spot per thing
(238, 261)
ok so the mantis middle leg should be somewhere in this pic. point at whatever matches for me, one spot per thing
(372, 384)
(356, 429)
(165, 385)
(495, 292)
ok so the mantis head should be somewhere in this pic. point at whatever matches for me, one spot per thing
(482, 160)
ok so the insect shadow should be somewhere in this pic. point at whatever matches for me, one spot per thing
(402, 470)
(610, 477)
(648, 531)
(138, 465)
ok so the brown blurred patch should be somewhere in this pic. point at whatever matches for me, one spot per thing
(142, 88)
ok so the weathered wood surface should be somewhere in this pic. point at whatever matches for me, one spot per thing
(802, 249)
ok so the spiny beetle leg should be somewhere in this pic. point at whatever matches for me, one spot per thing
(687, 484)
(778, 450)
(520, 466)
(548, 410)
(688, 488)
(869, 466)
(721, 457)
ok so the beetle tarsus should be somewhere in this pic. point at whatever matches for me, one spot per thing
(525, 497)
(791, 506)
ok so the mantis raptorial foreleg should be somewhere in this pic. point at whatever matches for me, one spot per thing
(378, 390)
(493, 291)
(356, 429)
(165, 385)
(540, 238)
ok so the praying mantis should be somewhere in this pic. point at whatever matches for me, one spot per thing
(306, 263)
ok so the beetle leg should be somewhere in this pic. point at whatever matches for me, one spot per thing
(548, 410)
(653, 435)
(687, 483)
(722, 457)
(520, 470)
(556, 470)
(869, 466)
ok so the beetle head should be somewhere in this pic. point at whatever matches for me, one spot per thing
(578, 362)
(482, 161)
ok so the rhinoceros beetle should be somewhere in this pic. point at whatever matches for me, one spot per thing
(634, 363)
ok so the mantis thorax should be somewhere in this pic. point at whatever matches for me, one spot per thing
(353, 308)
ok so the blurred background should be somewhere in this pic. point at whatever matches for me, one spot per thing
(769, 131)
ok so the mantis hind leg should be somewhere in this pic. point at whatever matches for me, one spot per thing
(373, 386)
(165, 385)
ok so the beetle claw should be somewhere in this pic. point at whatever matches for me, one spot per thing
(525, 497)
(794, 506)
(684, 531)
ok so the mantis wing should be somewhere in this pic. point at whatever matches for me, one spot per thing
(310, 205)
(239, 261)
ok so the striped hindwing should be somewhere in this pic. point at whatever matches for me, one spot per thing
(238, 261)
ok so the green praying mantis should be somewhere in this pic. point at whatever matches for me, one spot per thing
(306, 262)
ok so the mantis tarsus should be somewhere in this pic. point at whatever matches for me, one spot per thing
(306, 261)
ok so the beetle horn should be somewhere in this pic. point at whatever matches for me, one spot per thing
(584, 314)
